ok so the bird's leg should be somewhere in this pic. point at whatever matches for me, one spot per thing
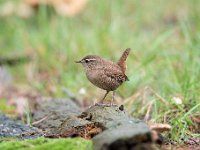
(104, 97)
(101, 101)
(113, 99)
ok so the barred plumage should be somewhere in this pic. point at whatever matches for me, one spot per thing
(105, 74)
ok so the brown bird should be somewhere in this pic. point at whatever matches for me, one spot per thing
(105, 74)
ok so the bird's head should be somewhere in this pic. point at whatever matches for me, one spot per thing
(90, 61)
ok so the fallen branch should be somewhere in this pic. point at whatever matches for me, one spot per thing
(108, 127)
(11, 61)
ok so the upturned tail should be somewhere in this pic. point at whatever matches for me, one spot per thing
(122, 60)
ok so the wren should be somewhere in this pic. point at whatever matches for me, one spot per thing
(105, 74)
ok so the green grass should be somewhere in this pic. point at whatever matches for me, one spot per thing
(42, 143)
(165, 41)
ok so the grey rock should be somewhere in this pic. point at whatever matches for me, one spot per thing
(12, 128)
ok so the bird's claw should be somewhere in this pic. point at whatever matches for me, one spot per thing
(105, 104)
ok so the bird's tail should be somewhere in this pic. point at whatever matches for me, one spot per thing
(122, 60)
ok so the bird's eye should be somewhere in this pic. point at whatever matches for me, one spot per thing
(86, 60)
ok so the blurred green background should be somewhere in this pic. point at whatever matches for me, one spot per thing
(164, 37)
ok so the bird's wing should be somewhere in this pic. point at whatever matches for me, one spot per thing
(116, 75)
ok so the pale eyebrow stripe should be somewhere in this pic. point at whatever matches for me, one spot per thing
(90, 59)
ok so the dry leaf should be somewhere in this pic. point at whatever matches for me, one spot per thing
(196, 119)
(62, 7)
(36, 2)
(7, 9)
(20, 9)
(25, 11)
(159, 127)
(69, 7)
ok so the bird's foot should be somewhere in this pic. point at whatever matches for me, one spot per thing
(112, 104)
(100, 104)
(105, 104)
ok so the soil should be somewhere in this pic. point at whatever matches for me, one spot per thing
(13, 129)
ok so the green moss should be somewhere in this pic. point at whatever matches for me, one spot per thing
(4, 107)
(43, 143)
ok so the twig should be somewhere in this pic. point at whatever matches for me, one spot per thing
(158, 96)
(147, 116)
(39, 121)
(131, 100)
(168, 112)
(14, 60)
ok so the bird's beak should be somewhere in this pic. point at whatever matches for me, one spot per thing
(78, 61)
